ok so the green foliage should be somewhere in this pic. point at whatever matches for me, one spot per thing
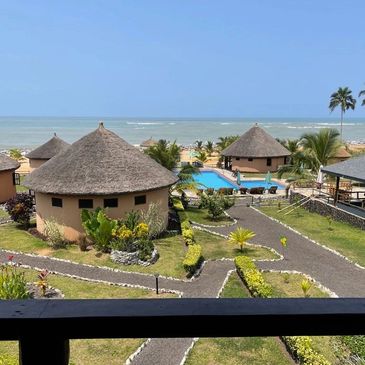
(202, 157)
(177, 203)
(98, 227)
(8, 360)
(16, 154)
(20, 208)
(132, 219)
(356, 344)
(193, 258)
(12, 283)
(165, 153)
(224, 142)
(283, 241)
(188, 236)
(302, 350)
(215, 206)
(145, 248)
(252, 277)
(306, 285)
(154, 219)
(209, 148)
(240, 236)
(54, 234)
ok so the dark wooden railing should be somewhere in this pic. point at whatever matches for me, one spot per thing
(44, 327)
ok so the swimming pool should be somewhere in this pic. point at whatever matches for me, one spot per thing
(211, 179)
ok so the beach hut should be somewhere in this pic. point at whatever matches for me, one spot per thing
(8, 177)
(255, 151)
(46, 151)
(341, 155)
(99, 170)
(148, 143)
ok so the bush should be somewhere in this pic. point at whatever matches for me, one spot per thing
(131, 220)
(8, 360)
(302, 350)
(20, 208)
(145, 248)
(193, 258)
(188, 236)
(252, 277)
(177, 204)
(154, 219)
(356, 345)
(99, 228)
(184, 200)
(53, 233)
(185, 225)
(12, 283)
(215, 206)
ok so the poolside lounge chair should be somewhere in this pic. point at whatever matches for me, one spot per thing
(222, 191)
(243, 191)
(210, 191)
(229, 191)
(272, 189)
(257, 190)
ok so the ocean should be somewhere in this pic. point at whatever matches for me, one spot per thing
(29, 132)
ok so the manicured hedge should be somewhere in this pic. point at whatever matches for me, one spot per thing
(177, 204)
(188, 235)
(300, 347)
(193, 258)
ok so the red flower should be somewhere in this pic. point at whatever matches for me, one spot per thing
(10, 258)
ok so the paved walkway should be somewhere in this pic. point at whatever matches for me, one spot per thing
(332, 271)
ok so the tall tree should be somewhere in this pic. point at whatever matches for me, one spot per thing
(362, 93)
(224, 142)
(165, 153)
(342, 98)
(209, 148)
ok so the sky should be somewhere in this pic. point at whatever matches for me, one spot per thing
(179, 58)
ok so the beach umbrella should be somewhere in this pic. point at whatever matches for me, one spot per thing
(319, 180)
(268, 177)
(238, 178)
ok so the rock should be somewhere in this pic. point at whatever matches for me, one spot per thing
(131, 258)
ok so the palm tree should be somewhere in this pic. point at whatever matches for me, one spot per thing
(224, 142)
(343, 98)
(198, 145)
(240, 236)
(209, 148)
(16, 154)
(319, 148)
(186, 179)
(165, 153)
(362, 93)
(202, 157)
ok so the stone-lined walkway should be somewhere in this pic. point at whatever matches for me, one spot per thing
(301, 254)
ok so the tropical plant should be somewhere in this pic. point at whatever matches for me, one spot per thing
(306, 285)
(16, 154)
(186, 179)
(12, 282)
(154, 219)
(224, 142)
(54, 233)
(165, 153)
(342, 98)
(362, 93)
(132, 219)
(209, 148)
(240, 236)
(99, 228)
(42, 282)
(215, 206)
(284, 242)
(202, 157)
(20, 208)
(198, 145)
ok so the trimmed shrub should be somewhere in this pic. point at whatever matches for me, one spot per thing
(177, 204)
(252, 277)
(54, 234)
(188, 235)
(193, 258)
(20, 208)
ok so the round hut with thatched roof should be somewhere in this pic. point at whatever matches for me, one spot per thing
(341, 155)
(46, 151)
(255, 151)
(148, 143)
(7, 177)
(99, 170)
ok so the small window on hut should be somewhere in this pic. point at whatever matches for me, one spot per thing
(57, 202)
(140, 199)
(237, 158)
(16, 178)
(268, 161)
(111, 203)
(86, 203)
(250, 159)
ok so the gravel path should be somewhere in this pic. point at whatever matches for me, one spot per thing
(301, 254)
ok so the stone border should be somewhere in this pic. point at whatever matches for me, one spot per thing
(137, 352)
(315, 242)
(281, 257)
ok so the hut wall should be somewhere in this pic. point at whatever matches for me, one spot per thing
(69, 215)
(34, 164)
(7, 187)
(257, 164)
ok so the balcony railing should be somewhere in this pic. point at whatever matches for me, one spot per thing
(44, 327)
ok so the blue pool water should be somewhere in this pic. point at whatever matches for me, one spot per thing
(210, 179)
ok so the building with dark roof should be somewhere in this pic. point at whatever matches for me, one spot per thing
(46, 151)
(255, 151)
(98, 170)
(7, 177)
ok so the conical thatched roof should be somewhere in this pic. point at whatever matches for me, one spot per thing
(7, 163)
(256, 143)
(148, 143)
(49, 149)
(100, 163)
(342, 153)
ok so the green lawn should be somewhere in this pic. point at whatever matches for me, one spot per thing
(85, 352)
(201, 216)
(3, 214)
(172, 251)
(237, 351)
(340, 236)
(21, 188)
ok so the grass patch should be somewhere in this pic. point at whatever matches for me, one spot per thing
(172, 251)
(21, 188)
(201, 216)
(3, 214)
(236, 351)
(342, 237)
(85, 352)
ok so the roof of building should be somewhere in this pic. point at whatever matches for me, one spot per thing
(353, 169)
(148, 143)
(256, 143)
(49, 149)
(7, 163)
(342, 153)
(100, 163)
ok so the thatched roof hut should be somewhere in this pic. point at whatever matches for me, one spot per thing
(7, 163)
(100, 163)
(148, 143)
(49, 149)
(256, 143)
